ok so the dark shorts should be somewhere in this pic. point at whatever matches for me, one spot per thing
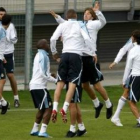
(41, 98)
(90, 72)
(70, 68)
(77, 94)
(133, 83)
(9, 66)
(2, 71)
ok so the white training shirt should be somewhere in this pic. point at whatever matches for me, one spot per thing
(72, 38)
(40, 76)
(94, 26)
(126, 48)
(2, 42)
(11, 36)
(133, 63)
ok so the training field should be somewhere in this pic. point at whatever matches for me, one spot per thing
(17, 123)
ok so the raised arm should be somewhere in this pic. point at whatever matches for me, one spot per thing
(57, 17)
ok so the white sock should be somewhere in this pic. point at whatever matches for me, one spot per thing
(43, 128)
(121, 103)
(73, 128)
(138, 120)
(65, 106)
(35, 127)
(3, 102)
(55, 106)
(96, 102)
(16, 97)
(108, 103)
(81, 126)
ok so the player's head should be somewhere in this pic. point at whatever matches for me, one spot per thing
(71, 14)
(2, 12)
(43, 44)
(89, 14)
(136, 36)
(6, 19)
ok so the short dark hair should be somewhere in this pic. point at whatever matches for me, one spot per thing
(92, 13)
(71, 14)
(2, 9)
(6, 19)
(136, 35)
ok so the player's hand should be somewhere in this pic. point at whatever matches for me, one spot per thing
(58, 60)
(53, 75)
(4, 61)
(53, 14)
(96, 6)
(95, 59)
(112, 65)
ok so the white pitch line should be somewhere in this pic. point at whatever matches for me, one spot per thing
(25, 110)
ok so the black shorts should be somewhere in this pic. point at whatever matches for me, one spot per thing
(77, 94)
(9, 66)
(90, 72)
(70, 68)
(41, 98)
(133, 83)
(2, 71)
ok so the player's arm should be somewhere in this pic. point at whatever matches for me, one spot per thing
(128, 66)
(57, 17)
(11, 34)
(102, 21)
(122, 52)
(54, 38)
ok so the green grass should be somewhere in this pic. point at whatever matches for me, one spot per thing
(17, 123)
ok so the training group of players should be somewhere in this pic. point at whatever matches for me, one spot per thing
(77, 70)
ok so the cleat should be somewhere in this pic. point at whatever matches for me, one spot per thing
(109, 112)
(45, 135)
(64, 115)
(80, 133)
(4, 108)
(54, 116)
(16, 103)
(70, 134)
(34, 133)
(117, 122)
(138, 125)
(98, 110)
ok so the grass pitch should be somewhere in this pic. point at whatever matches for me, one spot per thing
(18, 122)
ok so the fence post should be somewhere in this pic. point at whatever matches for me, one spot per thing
(28, 40)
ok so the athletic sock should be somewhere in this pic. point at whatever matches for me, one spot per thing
(43, 128)
(55, 106)
(35, 127)
(108, 103)
(73, 128)
(3, 102)
(16, 97)
(81, 126)
(65, 106)
(121, 103)
(96, 102)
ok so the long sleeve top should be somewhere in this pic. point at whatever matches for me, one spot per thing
(132, 64)
(126, 48)
(41, 71)
(11, 38)
(2, 42)
(73, 38)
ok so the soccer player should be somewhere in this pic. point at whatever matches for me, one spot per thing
(11, 39)
(70, 66)
(125, 49)
(6, 19)
(131, 79)
(38, 88)
(91, 75)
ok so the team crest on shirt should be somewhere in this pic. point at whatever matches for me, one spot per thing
(2, 75)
